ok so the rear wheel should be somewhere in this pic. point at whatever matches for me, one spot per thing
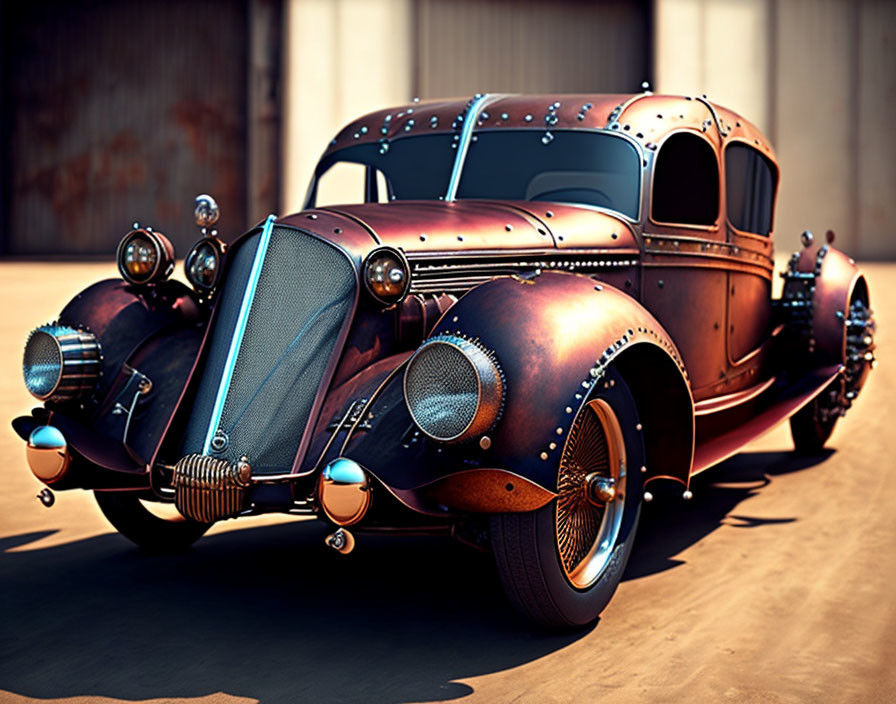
(149, 529)
(812, 425)
(561, 564)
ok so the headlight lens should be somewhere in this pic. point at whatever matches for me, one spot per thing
(454, 388)
(387, 275)
(60, 363)
(202, 264)
(145, 256)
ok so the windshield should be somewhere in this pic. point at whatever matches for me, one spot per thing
(416, 168)
(564, 166)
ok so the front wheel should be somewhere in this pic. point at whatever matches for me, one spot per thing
(561, 564)
(154, 533)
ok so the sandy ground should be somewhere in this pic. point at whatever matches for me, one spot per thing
(775, 584)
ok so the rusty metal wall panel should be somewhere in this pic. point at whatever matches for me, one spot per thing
(561, 46)
(121, 111)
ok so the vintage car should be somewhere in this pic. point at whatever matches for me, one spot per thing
(531, 309)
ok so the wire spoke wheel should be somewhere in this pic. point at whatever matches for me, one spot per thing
(586, 527)
(561, 563)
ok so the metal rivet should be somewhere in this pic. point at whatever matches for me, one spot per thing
(528, 118)
(559, 431)
(544, 455)
(687, 495)
(569, 409)
(648, 497)
(643, 469)
(508, 227)
(638, 427)
(553, 446)
(485, 442)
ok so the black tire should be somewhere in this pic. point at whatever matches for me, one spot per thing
(526, 545)
(150, 532)
(812, 425)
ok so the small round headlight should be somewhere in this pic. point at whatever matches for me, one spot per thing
(145, 256)
(454, 388)
(60, 363)
(387, 275)
(203, 264)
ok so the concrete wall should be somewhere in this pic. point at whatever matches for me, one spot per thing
(817, 76)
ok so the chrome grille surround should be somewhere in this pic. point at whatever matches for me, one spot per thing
(283, 311)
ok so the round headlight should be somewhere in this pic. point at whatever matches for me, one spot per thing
(387, 275)
(60, 363)
(203, 263)
(145, 256)
(454, 388)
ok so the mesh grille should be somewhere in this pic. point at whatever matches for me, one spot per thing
(442, 390)
(42, 364)
(305, 291)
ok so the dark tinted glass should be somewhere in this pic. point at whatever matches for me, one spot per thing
(749, 189)
(686, 182)
(416, 168)
(573, 167)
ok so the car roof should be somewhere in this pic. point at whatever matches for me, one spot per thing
(645, 117)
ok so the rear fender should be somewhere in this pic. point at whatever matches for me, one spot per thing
(830, 279)
(553, 337)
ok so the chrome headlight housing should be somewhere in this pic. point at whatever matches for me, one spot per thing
(61, 363)
(202, 266)
(387, 275)
(145, 256)
(454, 388)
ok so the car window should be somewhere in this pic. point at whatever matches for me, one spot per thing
(686, 182)
(347, 182)
(415, 168)
(563, 166)
(749, 189)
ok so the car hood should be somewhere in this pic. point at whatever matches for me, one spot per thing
(481, 225)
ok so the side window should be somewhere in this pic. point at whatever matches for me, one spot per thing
(349, 182)
(749, 189)
(686, 182)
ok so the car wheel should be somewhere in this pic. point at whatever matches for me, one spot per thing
(561, 564)
(152, 532)
(812, 425)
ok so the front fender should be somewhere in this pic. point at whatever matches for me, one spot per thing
(553, 336)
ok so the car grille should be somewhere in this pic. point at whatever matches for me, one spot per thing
(256, 392)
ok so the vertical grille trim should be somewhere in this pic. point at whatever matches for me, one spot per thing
(240, 330)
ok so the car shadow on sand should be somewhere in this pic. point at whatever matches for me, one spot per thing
(271, 615)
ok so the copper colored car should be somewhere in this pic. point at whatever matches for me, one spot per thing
(522, 312)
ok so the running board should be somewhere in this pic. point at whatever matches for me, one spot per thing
(775, 404)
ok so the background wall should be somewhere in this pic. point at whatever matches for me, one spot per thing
(818, 77)
(116, 111)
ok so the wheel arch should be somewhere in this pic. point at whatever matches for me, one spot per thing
(663, 398)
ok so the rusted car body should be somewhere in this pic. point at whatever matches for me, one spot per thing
(533, 308)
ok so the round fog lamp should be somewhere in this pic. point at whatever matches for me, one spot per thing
(145, 256)
(453, 388)
(202, 264)
(61, 363)
(387, 275)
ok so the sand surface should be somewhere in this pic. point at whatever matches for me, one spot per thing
(775, 584)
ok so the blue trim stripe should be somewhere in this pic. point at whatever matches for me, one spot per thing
(238, 331)
(466, 134)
